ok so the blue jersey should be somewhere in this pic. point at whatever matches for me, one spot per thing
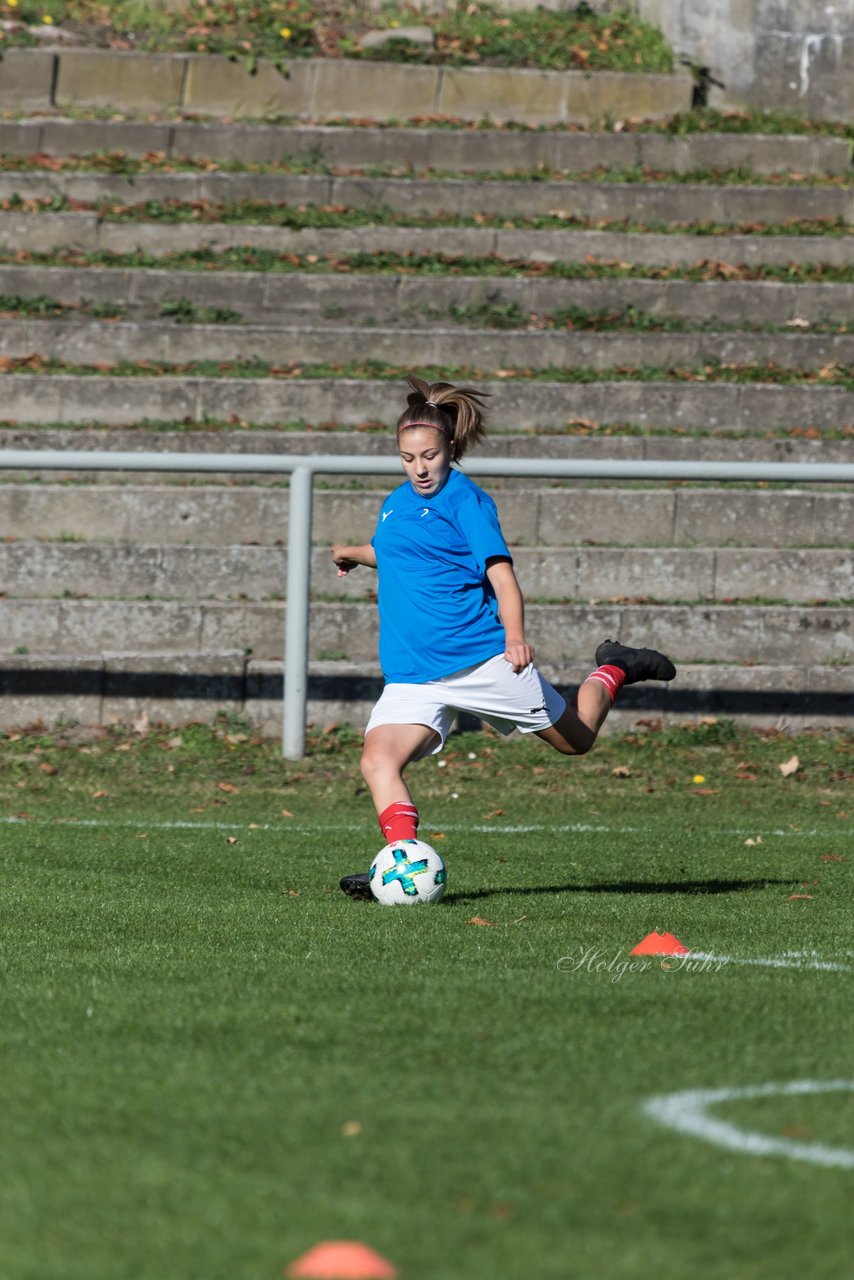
(438, 612)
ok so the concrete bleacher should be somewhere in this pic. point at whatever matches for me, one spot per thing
(129, 593)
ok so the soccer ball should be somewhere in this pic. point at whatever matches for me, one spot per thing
(407, 871)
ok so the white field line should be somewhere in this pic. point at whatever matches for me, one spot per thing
(303, 828)
(788, 960)
(687, 1112)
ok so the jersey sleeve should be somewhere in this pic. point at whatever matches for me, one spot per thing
(477, 519)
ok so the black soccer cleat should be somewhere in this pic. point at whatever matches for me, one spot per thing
(358, 886)
(638, 664)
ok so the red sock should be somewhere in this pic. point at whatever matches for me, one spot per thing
(612, 678)
(399, 822)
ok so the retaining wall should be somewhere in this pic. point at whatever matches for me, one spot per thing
(326, 88)
(791, 54)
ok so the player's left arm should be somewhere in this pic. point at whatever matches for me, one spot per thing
(511, 610)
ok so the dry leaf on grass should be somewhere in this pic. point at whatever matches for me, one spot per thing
(621, 771)
(496, 923)
(227, 786)
(789, 767)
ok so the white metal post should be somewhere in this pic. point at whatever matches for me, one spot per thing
(296, 626)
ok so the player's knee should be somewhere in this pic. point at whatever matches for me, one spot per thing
(366, 765)
(575, 743)
(576, 748)
(372, 763)
(570, 736)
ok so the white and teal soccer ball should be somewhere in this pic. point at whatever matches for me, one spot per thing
(407, 871)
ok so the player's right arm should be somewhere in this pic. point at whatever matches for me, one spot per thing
(347, 558)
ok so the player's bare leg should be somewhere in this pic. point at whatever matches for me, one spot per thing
(618, 664)
(578, 728)
(388, 750)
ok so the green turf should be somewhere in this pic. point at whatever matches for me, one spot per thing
(211, 1059)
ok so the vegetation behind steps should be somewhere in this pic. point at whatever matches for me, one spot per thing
(474, 34)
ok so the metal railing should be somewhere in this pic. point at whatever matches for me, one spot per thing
(302, 471)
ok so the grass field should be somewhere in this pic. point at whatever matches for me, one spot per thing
(211, 1059)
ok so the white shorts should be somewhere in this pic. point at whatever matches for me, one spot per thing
(491, 691)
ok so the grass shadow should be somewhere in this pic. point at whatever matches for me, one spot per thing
(627, 886)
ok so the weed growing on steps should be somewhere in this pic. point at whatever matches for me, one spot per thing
(312, 161)
(299, 217)
(268, 261)
(41, 306)
(185, 311)
(830, 375)
(574, 427)
(707, 120)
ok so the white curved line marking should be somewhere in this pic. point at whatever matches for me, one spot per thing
(686, 1112)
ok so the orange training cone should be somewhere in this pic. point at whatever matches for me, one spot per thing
(660, 944)
(342, 1260)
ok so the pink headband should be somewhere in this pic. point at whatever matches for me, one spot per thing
(435, 425)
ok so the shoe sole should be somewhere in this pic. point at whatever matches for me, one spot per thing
(360, 890)
(611, 650)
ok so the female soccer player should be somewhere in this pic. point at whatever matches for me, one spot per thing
(452, 618)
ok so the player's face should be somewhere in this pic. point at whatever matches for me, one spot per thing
(426, 456)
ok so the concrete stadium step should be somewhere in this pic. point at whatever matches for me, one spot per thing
(262, 296)
(769, 634)
(662, 203)
(425, 148)
(31, 569)
(530, 515)
(518, 404)
(82, 342)
(49, 232)
(590, 444)
(177, 688)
